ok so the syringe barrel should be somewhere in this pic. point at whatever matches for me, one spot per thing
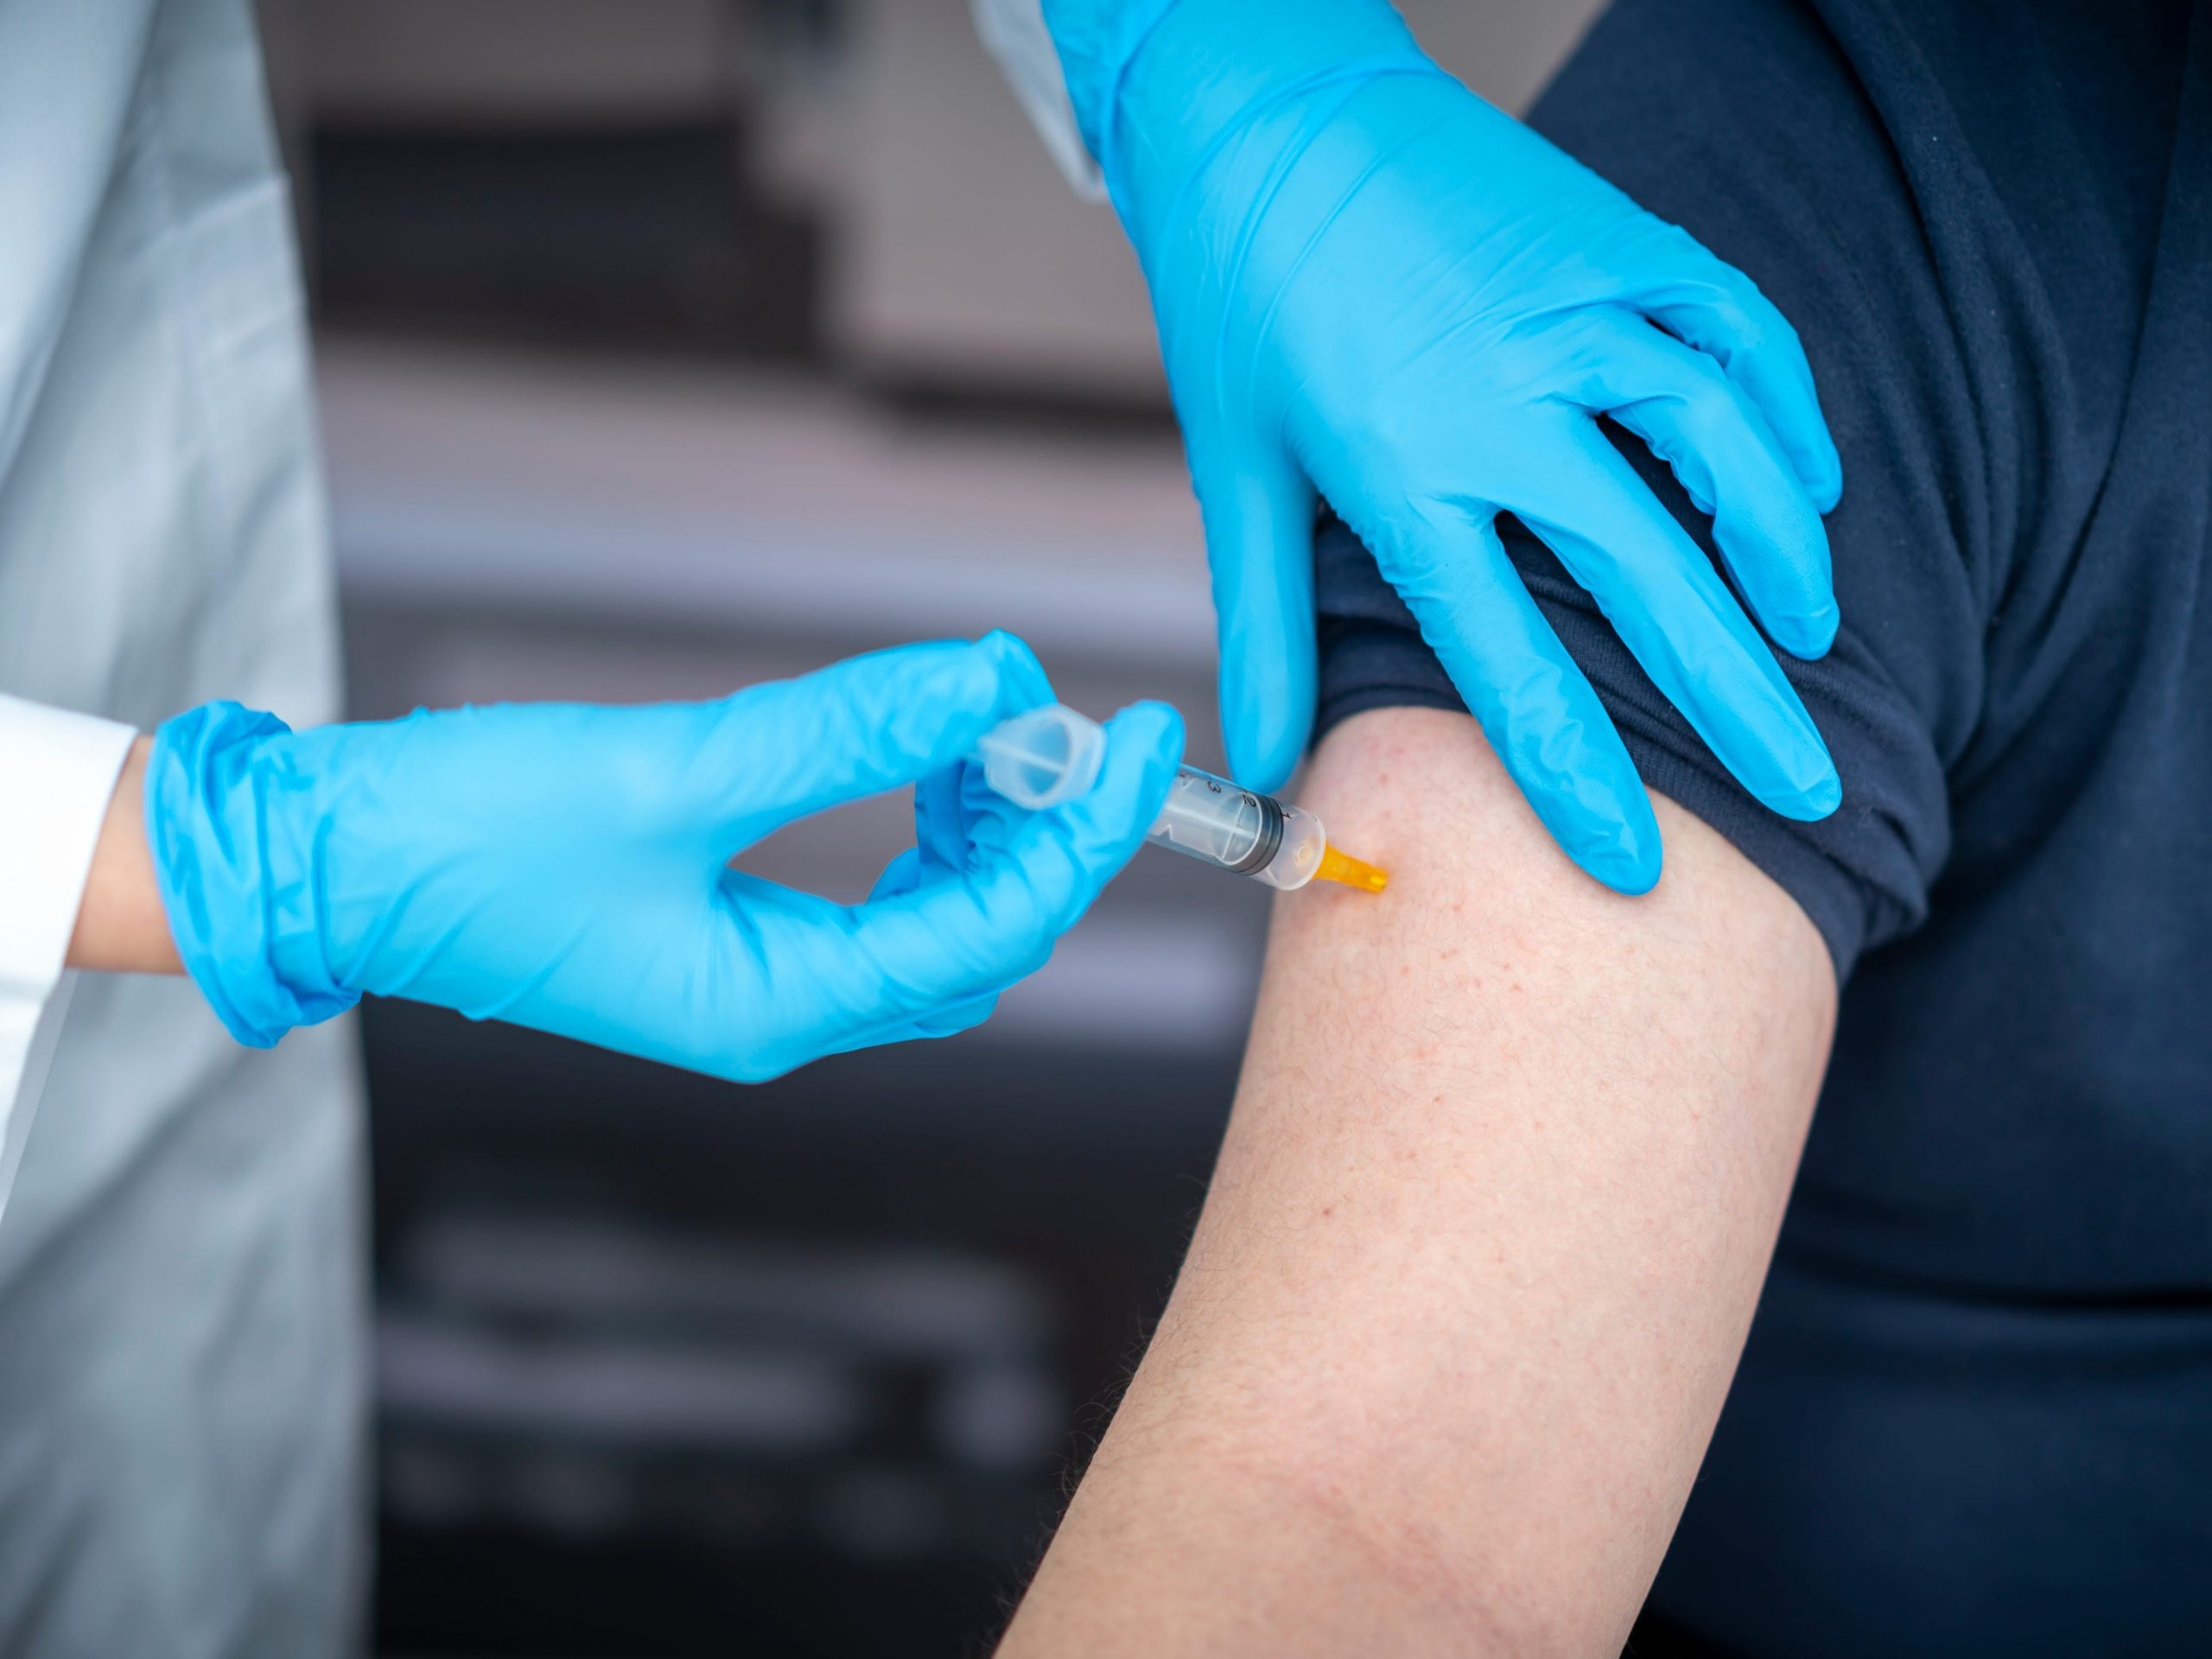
(1210, 818)
(1240, 830)
(1051, 754)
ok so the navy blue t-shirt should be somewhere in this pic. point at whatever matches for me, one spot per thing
(1975, 1412)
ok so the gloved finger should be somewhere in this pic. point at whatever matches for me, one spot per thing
(959, 1017)
(780, 752)
(806, 977)
(941, 827)
(1672, 612)
(1542, 719)
(941, 851)
(902, 874)
(1721, 311)
(1701, 423)
(944, 829)
(948, 1021)
(784, 1002)
(1259, 513)
(941, 836)
(924, 953)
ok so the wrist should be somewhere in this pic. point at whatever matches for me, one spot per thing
(121, 927)
(1169, 87)
(235, 870)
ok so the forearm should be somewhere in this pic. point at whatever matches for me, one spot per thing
(121, 927)
(1504, 1169)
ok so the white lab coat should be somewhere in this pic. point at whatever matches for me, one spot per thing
(182, 1281)
(182, 1284)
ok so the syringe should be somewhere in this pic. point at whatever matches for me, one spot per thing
(1052, 755)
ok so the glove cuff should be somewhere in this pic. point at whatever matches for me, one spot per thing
(1096, 40)
(1159, 85)
(240, 894)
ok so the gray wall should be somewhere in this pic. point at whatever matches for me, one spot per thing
(959, 249)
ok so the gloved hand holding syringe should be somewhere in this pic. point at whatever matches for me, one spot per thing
(1050, 754)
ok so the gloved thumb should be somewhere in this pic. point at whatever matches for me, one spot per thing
(1258, 510)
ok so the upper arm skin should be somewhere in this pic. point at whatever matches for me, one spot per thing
(1505, 1169)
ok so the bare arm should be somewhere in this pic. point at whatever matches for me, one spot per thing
(1505, 1169)
(121, 926)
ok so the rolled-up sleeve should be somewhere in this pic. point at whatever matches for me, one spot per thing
(57, 774)
(1920, 358)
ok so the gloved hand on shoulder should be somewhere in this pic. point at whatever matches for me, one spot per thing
(1371, 284)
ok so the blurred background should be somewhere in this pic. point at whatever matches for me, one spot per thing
(669, 345)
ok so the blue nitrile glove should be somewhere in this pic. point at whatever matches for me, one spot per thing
(565, 866)
(1370, 281)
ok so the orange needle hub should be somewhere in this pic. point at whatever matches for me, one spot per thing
(1351, 872)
